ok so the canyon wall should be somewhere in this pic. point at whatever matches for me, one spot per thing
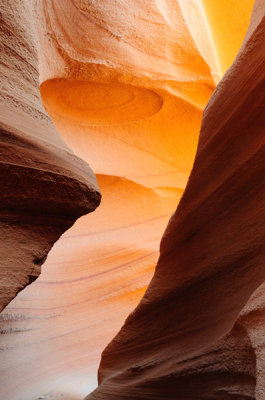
(185, 339)
(125, 84)
(44, 186)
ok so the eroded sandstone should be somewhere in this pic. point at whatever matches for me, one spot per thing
(211, 261)
(44, 187)
(126, 86)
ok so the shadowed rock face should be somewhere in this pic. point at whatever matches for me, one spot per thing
(43, 193)
(226, 371)
(44, 187)
(211, 259)
(125, 84)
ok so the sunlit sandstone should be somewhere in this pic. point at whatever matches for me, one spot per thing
(125, 87)
(44, 186)
(187, 335)
(132, 80)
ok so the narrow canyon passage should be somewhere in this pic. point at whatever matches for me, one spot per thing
(93, 277)
(125, 87)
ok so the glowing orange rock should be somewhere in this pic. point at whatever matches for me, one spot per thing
(183, 338)
(125, 85)
(44, 186)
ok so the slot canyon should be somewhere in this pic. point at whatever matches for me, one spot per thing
(132, 166)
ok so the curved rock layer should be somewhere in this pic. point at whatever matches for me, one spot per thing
(185, 340)
(123, 79)
(94, 276)
(125, 85)
(44, 187)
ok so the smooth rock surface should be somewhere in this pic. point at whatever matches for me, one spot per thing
(125, 84)
(129, 80)
(44, 186)
(185, 340)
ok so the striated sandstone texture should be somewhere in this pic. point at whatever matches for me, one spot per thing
(93, 277)
(186, 338)
(130, 79)
(125, 84)
(44, 187)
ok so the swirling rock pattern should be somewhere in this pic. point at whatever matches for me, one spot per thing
(94, 275)
(211, 261)
(125, 84)
(131, 80)
(44, 187)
